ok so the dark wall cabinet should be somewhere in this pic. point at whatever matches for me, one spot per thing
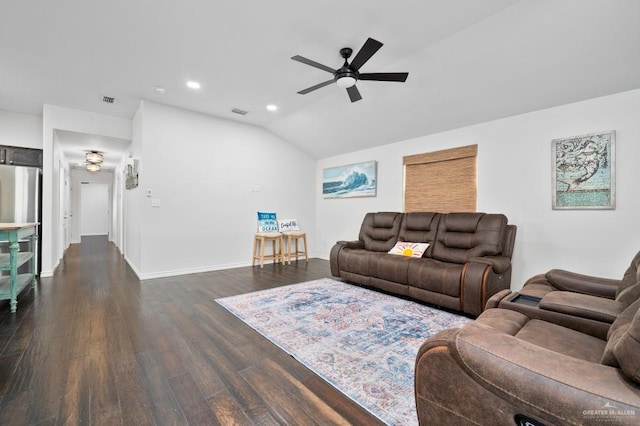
(17, 156)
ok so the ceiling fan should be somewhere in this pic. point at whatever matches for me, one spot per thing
(347, 75)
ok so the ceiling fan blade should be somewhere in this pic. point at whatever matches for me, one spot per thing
(312, 63)
(354, 93)
(385, 76)
(367, 50)
(317, 86)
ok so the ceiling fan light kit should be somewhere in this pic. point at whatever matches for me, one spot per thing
(94, 157)
(348, 75)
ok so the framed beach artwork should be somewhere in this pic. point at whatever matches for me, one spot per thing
(352, 180)
(584, 171)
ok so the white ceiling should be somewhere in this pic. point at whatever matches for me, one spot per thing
(469, 61)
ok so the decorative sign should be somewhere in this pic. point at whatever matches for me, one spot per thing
(267, 222)
(288, 225)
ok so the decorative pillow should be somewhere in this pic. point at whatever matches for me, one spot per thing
(288, 225)
(267, 222)
(404, 248)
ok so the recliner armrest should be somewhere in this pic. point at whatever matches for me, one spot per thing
(357, 244)
(494, 301)
(582, 305)
(585, 284)
(537, 378)
(499, 264)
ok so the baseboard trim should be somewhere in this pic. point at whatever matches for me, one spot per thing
(164, 274)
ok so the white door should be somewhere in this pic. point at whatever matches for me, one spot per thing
(94, 209)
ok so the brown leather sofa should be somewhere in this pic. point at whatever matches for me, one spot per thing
(468, 259)
(585, 303)
(506, 368)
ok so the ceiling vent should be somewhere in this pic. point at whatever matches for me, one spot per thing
(239, 111)
(109, 99)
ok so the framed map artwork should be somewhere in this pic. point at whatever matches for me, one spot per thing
(584, 171)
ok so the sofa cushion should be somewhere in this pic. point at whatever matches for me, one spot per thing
(543, 334)
(419, 227)
(355, 261)
(379, 231)
(464, 235)
(389, 268)
(629, 294)
(436, 276)
(562, 340)
(623, 343)
(631, 275)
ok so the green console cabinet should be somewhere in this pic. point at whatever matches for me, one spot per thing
(12, 284)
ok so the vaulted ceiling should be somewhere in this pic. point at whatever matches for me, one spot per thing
(468, 61)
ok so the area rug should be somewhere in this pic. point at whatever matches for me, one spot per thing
(362, 342)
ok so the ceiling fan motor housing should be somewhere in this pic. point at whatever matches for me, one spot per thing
(345, 70)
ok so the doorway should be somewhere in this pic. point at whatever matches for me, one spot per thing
(94, 209)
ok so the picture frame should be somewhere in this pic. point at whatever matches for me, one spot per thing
(131, 174)
(583, 172)
(351, 180)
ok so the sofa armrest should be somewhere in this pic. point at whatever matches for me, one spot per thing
(582, 305)
(499, 264)
(357, 244)
(585, 284)
(480, 282)
(334, 255)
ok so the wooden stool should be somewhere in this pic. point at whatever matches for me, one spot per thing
(295, 235)
(276, 247)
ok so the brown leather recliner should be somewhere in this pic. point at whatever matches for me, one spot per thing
(506, 368)
(586, 303)
(561, 280)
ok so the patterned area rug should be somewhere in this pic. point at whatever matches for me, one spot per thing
(362, 342)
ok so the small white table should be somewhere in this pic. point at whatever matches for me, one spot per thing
(11, 285)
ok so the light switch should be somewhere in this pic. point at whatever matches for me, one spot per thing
(155, 202)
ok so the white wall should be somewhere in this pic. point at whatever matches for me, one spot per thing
(117, 207)
(132, 217)
(24, 130)
(514, 178)
(201, 169)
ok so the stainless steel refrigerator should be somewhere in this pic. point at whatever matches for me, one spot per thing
(20, 198)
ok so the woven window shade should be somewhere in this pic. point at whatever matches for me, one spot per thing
(441, 181)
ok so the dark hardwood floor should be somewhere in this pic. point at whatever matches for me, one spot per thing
(94, 345)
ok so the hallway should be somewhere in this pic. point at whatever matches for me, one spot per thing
(94, 345)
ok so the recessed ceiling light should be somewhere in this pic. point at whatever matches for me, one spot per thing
(272, 107)
(159, 90)
(193, 84)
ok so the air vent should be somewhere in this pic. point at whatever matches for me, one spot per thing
(239, 111)
(84, 183)
(109, 99)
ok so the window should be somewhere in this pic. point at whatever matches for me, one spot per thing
(441, 181)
